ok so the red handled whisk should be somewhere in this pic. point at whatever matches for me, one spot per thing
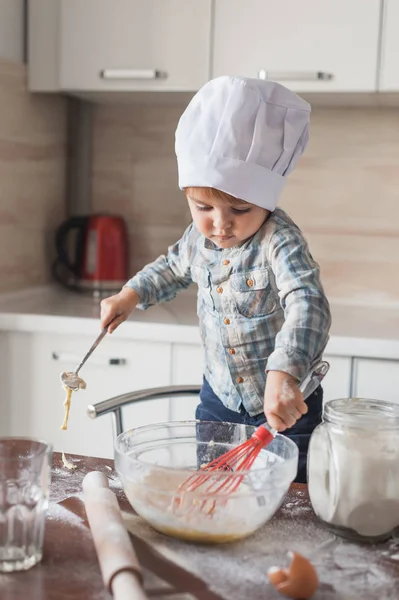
(241, 458)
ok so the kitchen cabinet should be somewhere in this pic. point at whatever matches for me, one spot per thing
(300, 44)
(124, 45)
(187, 369)
(12, 30)
(35, 395)
(4, 366)
(389, 71)
(377, 379)
(337, 382)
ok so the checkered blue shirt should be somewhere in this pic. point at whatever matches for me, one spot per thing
(261, 306)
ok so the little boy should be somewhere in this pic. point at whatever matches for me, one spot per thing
(263, 315)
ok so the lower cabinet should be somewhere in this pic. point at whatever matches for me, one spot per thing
(187, 369)
(5, 402)
(377, 379)
(337, 382)
(373, 378)
(36, 396)
(31, 401)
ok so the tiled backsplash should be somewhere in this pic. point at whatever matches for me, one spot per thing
(32, 178)
(344, 194)
(135, 175)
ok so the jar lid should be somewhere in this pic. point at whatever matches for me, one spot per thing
(362, 413)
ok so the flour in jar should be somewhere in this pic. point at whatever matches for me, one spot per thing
(354, 479)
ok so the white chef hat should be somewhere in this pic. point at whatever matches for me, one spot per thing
(242, 136)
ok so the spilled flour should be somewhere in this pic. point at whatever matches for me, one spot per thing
(297, 507)
(238, 570)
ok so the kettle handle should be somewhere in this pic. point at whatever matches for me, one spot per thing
(61, 243)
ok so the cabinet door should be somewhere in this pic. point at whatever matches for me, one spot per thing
(187, 369)
(336, 383)
(377, 379)
(12, 30)
(389, 72)
(4, 391)
(37, 395)
(127, 44)
(293, 41)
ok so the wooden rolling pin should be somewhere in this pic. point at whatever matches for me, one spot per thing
(119, 566)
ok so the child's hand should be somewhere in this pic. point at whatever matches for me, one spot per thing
(117, 308)
(284, 403)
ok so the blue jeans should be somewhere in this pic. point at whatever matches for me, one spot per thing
(212, 409)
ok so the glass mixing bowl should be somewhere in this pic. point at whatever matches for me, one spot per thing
(152, 462)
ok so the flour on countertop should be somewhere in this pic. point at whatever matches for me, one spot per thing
(57, 512)
(361, 574)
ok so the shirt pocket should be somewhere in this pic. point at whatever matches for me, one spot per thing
(201, 277)
(253, 293)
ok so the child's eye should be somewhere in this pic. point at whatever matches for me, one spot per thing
(198, 207)
(240, 211)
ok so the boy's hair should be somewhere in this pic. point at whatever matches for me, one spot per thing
(213, 192)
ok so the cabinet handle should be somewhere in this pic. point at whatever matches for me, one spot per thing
(133, 74)
(295, 75)
(98, 360)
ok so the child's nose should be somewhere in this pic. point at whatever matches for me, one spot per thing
(221, 221)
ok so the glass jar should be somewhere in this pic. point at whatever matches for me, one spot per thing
(353, 468)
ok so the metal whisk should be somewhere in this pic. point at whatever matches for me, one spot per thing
(240, 458)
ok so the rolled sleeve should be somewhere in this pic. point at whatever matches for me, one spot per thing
(304, 334)
(162, 279)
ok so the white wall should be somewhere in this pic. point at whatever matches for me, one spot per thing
(12, 30)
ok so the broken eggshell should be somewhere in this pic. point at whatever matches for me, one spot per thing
(299, 581)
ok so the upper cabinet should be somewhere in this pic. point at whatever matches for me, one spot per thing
(12, 30)
(119, 45)
(89, 46)
(389, 72)
(310, 46)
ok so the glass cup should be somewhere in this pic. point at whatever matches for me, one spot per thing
(25, 473)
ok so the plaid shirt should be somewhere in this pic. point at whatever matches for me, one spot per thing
(261, 306)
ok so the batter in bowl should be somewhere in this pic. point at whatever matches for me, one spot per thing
(213, 519)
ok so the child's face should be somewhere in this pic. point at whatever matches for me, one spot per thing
(227, 223)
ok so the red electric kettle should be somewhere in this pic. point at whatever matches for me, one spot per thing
(92, 253)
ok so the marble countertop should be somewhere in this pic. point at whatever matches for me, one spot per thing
(54, 309)
(370, 331)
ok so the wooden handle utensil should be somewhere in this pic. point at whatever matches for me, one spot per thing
(119, 566)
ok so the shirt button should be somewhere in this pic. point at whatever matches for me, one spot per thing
(239, 380)
(226, 262)
(219, 290)
(226, 321)
(250, 282)
(232, 351)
